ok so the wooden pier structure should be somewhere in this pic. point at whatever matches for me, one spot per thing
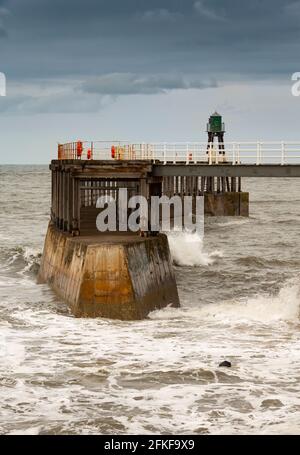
(77, 185)
(123, 275)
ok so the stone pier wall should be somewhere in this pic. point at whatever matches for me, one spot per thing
(107, 276)
(226, 204)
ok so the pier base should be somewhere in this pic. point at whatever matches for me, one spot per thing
(109, 275)
(226, 204)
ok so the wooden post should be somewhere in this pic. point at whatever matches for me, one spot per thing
(181, 185)
(223, 182)
(233, 184)
(144, 188)
(66, 200)
(209, 184)
(227, 184)
(53, 204)
(145, 192)
(59, 198)
(62, 199)
(202, 184)
(188, 185)
(70, 204)
(75, 205)
(52, 193)
(56, 197)
(78, 203)
(176, 185)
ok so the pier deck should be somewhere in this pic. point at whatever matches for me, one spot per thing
(226, 170)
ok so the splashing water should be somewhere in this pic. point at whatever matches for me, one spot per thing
(266, 309)
(283, 306)
(60, 374)
(187, 250)
(27, 259)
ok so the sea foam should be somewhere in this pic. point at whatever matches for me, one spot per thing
(187, 250)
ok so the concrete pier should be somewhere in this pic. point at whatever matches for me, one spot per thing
(120, 276)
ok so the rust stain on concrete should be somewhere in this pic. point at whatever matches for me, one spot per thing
(112, 276)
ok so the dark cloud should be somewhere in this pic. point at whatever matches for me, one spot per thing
(133, 84)
(4, 12)
(144, 42)
(100, 36)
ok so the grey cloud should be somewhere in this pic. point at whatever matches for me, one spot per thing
(293, 10)
(91, 95)
(63, 102)
(133, 84)
(3, 14)
(140, 42)
(159, 15)
(203, 9)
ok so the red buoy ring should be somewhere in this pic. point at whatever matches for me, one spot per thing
(79, 149)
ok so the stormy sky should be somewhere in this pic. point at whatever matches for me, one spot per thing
(145, 70)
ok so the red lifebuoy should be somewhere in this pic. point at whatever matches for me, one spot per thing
(79, 149)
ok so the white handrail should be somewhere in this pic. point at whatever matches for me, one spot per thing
(281, 152)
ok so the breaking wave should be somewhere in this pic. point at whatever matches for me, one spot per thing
(232, 221)
(24, 259)
(261, 262)
(266, 309)
(187, 250)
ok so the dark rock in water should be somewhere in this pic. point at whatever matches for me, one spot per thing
(225, 364)
(271, 403)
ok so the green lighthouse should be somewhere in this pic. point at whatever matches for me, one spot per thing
(216, 128)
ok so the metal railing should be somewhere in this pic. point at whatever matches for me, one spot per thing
(185, 152)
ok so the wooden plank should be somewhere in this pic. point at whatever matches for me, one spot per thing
(70, 203)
